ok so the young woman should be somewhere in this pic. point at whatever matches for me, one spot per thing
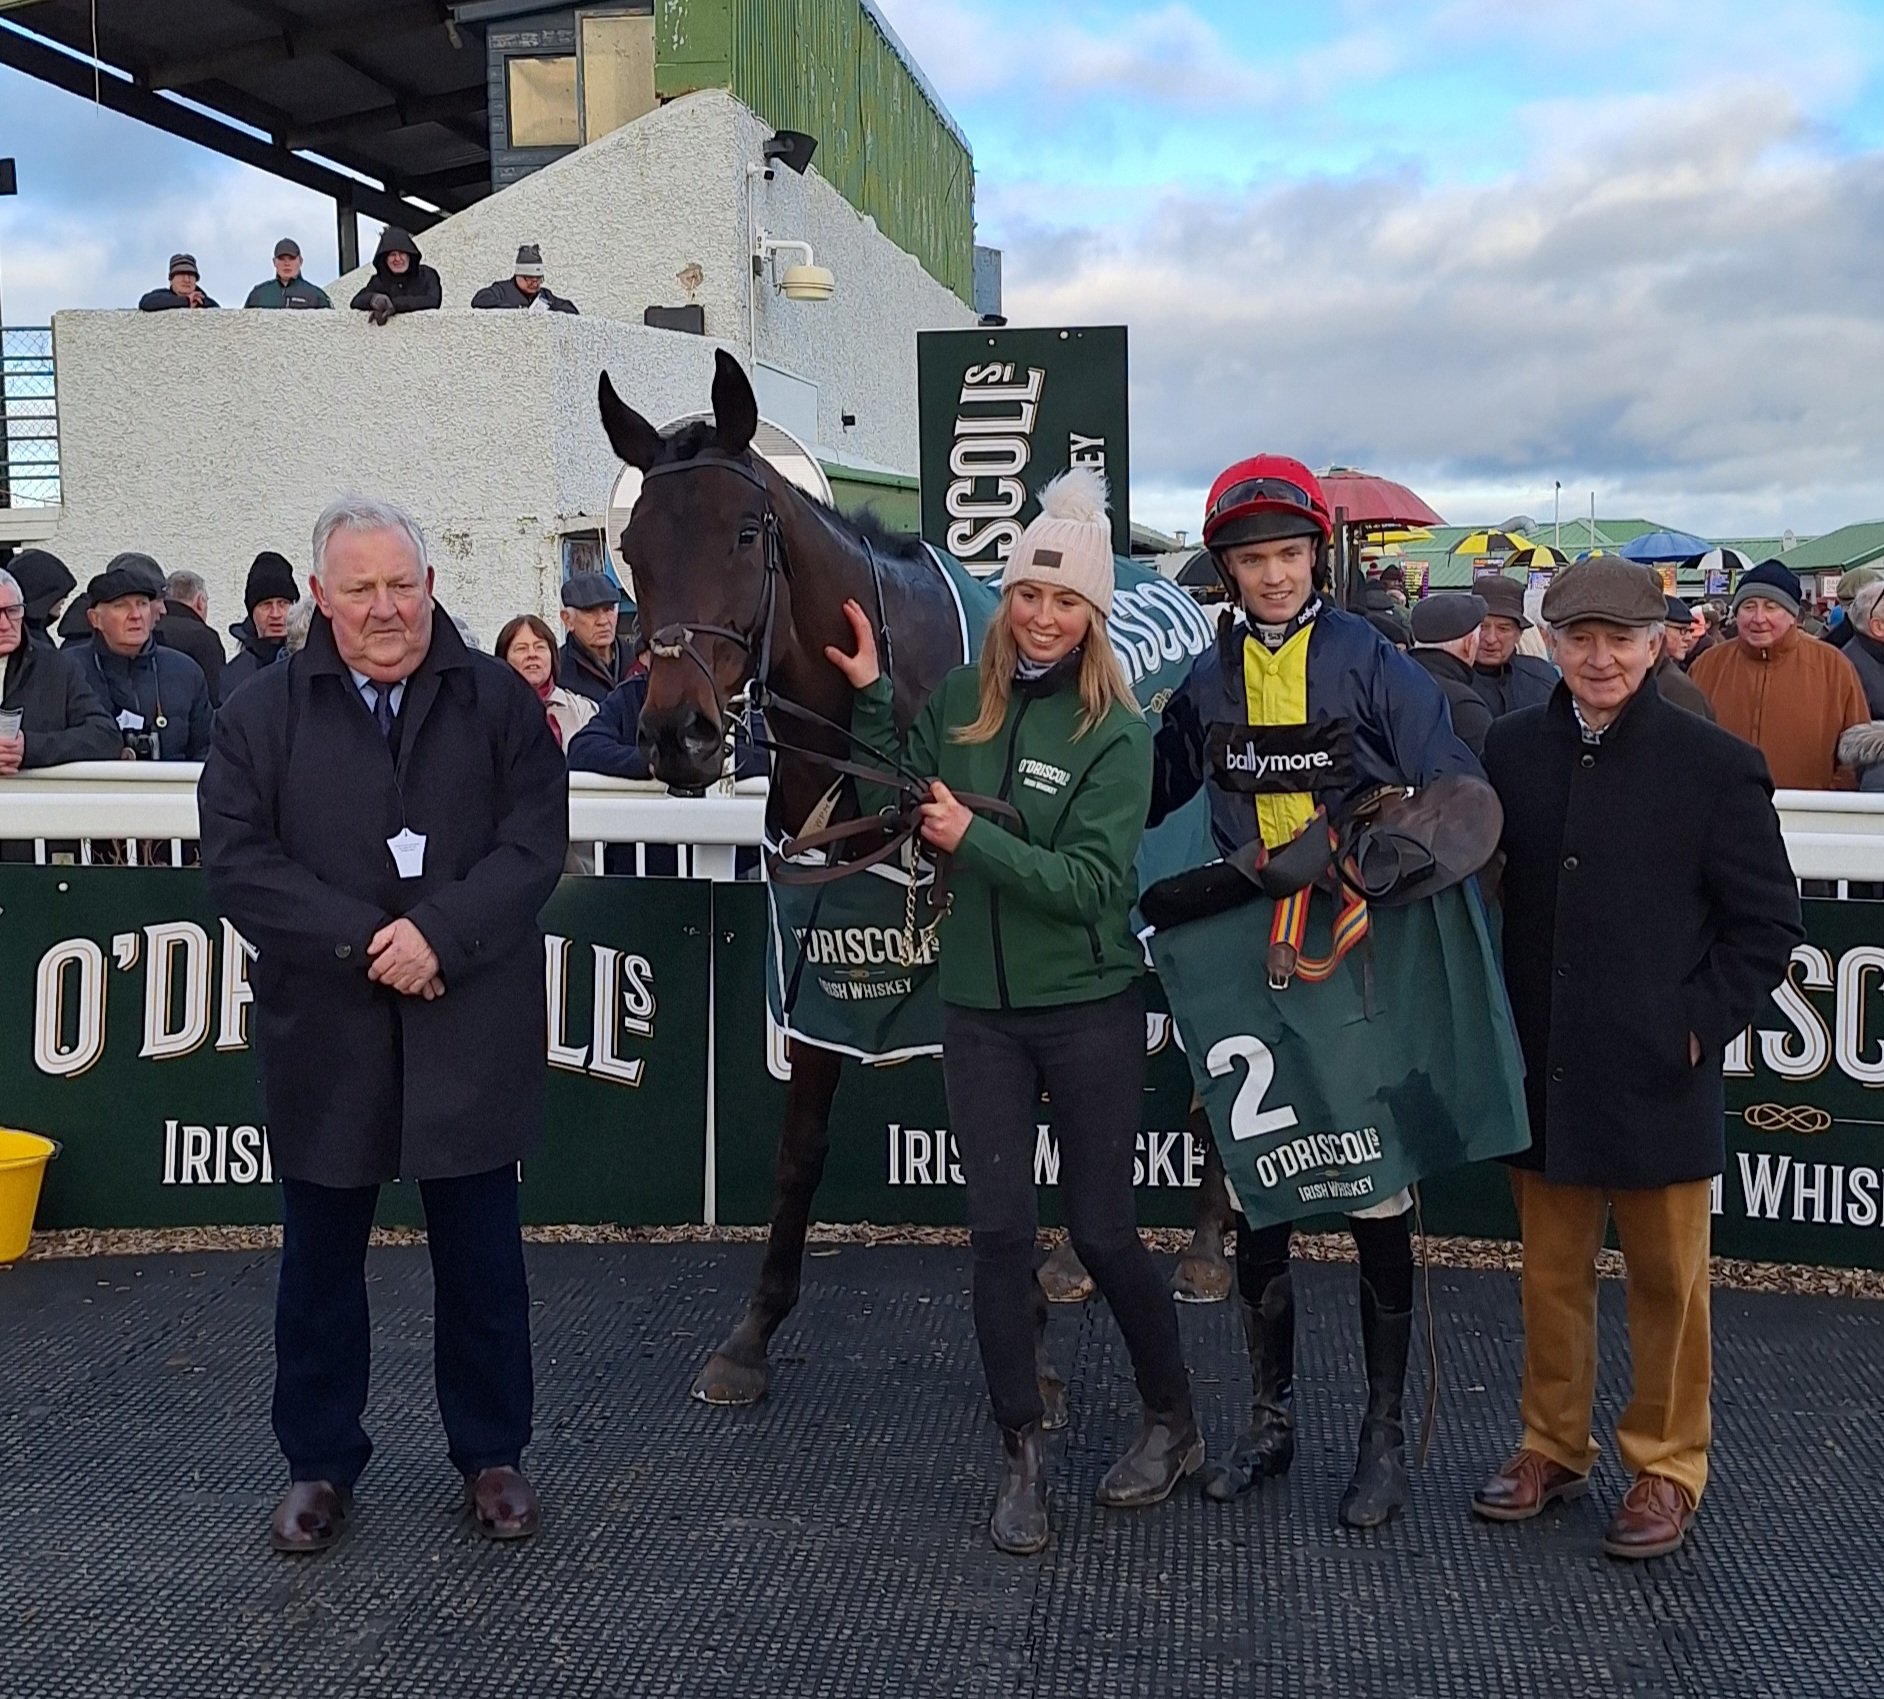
(528, 646)
(1040, 977)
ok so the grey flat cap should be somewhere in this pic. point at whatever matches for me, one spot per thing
(589, 590)
(1503, 597)
(1605, 587)
(1445, 618)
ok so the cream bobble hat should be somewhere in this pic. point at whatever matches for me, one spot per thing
(1069, 543)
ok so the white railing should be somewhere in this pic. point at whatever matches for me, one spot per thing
(1830, 835)
(128, 803)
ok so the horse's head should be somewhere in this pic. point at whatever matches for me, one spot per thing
(703, 550)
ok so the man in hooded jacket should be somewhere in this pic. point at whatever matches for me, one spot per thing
(400, 283)
(269, 596)
(45, 581)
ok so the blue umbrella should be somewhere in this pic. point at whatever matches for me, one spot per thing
(1664, 546)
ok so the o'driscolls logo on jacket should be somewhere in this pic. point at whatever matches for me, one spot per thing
(1042, 776)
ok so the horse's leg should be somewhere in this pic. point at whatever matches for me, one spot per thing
(1203, 1272)
(736, 1372)
(1063, 1276)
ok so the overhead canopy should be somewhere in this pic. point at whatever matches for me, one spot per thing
(391, 89)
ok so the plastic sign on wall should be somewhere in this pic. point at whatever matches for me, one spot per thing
(1005, 411)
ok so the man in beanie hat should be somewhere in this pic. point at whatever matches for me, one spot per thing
(594, 658)
(1792, 697)
(524, 290)
(269, 596)
(1445, 643)
(1670, 680)
(1505, 678)
(1302, 706)
(45, 581)
(184, 290)
(1649, 911)
(287, 288)
(157, 695)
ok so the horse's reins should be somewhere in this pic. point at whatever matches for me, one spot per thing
(901, 828)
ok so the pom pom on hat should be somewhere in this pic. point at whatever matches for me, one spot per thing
(1069, 543)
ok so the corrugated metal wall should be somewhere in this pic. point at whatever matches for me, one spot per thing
(822, 66)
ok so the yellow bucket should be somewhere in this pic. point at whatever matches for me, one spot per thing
(23, 1159)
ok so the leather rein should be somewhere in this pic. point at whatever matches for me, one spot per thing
(900, 826)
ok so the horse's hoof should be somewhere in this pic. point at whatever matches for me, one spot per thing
(724, 1381)
(1052, 1403)
(1064, 1279)
(1201, 1278)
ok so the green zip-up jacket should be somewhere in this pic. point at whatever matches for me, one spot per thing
(1041, 918)
(299, 293)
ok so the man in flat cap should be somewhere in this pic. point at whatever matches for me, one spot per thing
(1506, 679)
(594, 659)
(1649, 914)
(158, 696)
(1670, 679)
(183, 289)
(287, 288)
(524, 290)
(1781, 690)
(1445, 642)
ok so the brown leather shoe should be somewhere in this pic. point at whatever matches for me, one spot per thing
(1651, 1521)
(1527, 1485)
(503, 1504)
(310, 1517)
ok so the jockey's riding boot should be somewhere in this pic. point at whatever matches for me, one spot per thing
(1378, 1491)
(1267, 1446)
(1019, 1523)
(1168, 1448)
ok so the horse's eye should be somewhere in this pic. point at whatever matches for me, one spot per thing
(748, 535)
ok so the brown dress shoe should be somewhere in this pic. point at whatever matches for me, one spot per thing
(1528, 1485)
(310, 1517)
(503, 1504)
(1651, 1521)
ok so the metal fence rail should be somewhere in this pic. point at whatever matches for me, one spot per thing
(29, 418)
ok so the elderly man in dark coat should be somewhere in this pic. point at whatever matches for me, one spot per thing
(1445, 644)
(383, 816)
(59, 717)
(1507, 678)
(1649, 913)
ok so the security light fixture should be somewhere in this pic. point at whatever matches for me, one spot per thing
(792, 149)
(807, 282)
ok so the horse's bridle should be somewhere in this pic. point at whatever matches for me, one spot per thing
(679, 641)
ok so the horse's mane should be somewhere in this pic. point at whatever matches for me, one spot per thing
(865, 526)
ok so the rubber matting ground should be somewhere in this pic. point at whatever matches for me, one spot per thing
(832, 1540)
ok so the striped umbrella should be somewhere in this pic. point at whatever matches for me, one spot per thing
(1537, 557)
(1489, 543)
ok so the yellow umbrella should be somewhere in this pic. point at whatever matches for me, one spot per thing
(1400, 534)
(1488, 543)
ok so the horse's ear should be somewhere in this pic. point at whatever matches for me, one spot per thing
(631, 436)
(735, 407)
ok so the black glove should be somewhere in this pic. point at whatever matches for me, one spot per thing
(382, 309)
(1196, 895)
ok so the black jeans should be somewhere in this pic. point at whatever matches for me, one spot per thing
(480, 1324)
(1090, 1057)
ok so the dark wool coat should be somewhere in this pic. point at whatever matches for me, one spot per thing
(62, 716)
(1647, 896)
(254, 653)
(297, 800)
(1522, 682)
(576, 670)
(156, 684)
(1471, 718)
(182, 629)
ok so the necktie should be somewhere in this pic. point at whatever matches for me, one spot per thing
(383, 710)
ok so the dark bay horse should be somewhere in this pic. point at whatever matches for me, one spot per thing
(740, 575)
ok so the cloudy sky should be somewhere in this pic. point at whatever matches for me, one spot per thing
(1634, 245)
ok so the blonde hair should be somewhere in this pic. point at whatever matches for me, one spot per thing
(1102, 681)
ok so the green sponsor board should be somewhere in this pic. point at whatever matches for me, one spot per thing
(1002, 412)
(124, 1034)
(1333, 1096)
(891, 1157)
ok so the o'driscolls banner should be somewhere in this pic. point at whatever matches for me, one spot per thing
(1004, 411)
(125, 1023)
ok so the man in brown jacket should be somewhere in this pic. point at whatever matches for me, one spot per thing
(1778, 689)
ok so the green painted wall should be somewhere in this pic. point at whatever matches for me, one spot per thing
(895, 500)
(823, 66)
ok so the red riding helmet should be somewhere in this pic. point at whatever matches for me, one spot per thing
(1265, 497)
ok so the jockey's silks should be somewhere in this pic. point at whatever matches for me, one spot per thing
(1275, 693)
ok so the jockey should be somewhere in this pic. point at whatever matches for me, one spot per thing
(1301, 706)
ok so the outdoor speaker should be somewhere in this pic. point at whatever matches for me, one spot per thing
(792, 149)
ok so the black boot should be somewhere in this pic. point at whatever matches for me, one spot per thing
(1019, 1523)
(1168, 1448)
(1267, 1446)
(1378, 1491)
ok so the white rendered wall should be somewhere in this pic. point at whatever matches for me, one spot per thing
(201, 438)
(655, 215)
